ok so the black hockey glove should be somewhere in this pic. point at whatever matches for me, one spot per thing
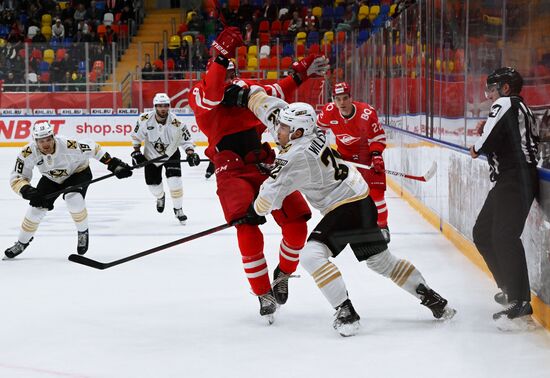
(193, 159)
(35, 198)
(236, 95)
(138, 158)
(119, 168)
(252, 218)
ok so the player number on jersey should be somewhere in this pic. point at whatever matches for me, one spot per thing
(19, 165)
(340, 170)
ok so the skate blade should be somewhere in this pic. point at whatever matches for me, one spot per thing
(522, 324)
(270, 318)
(347, 330)
(448, 314)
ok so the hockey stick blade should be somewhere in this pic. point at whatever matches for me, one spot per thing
(101, 266)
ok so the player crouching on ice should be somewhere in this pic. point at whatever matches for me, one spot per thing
(62, 163)
(309, 165)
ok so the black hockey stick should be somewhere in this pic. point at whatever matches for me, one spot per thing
(99, 265)
(73, 187)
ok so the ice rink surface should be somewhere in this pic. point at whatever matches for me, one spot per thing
(188, 311)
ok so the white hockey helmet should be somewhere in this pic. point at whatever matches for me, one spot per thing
(161, 99)
(299, 115)
(42, 129)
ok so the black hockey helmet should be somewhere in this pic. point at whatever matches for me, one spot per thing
(506, 75)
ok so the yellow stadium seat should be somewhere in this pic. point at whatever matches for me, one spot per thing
(317, 12)
(174, 42)
(393, 8)
(46, 31)
(329, 36)
(63, 4)
(189, 16)
(363, 12)
(189, 39)
(253, 52)
(46, 19)
(49, 56)
(301, 38)
(252, 63)
(272, 75)
(374, 12)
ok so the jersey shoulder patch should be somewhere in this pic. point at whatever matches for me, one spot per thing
(71, 144)
(144, 117)
(27, 151)
(176, 122)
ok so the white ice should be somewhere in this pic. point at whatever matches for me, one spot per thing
(188, 312)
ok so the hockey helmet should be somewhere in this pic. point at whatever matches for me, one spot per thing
(42, 129)
(161, 99)
(505, 75)
(299, 115)
(341, 88)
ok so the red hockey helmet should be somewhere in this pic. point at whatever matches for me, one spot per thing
(341, 88)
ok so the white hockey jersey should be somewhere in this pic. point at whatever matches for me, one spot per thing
(70, 157)
(156, 137)
(309, 165)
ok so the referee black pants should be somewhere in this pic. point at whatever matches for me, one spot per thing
(499, 226)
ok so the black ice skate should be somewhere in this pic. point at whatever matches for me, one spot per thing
(435, 302)
(516, 317)
(501, 298)
(268, 306)
(385, 233)
(16, 249)
(82, 245)
(280, 285)
(181, 216)
(346, 320)
(160, 203)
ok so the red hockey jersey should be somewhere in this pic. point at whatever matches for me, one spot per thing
(216, 120)
(356, 137)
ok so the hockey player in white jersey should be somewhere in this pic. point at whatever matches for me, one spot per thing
(157, 130)
(308, 164)
(63, 163)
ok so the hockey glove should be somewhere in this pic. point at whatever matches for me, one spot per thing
(227, 42)
(311, 65)
(119, 168)
(252, 218)
(236, 95)
(193, 158)
(34, 197)
(138, 158)
(377, 162)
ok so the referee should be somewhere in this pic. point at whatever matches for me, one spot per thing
(509, 139)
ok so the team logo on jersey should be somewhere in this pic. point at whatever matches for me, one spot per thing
(333, 122)
(40, 162)
(58, 172)
(347, 139)
(159, 146)
(150, 127)
(71, 144)
(26, 151)
(494, 110)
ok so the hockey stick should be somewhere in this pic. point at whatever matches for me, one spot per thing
(89, 182)
(426, 177)
(79, 259)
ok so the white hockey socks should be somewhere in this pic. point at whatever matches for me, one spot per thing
(156, 190)
(314, 258)
(77, 208)
(30, 224)
(401, 271)
(176, 191)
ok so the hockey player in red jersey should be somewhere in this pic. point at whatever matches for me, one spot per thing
(235, 148)
(361, 139)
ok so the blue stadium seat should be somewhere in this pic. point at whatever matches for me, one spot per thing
(385, 9)
(312, 37)
(339, 14)
(100, 5)
(363, 37)
(82, 67)
(288, 49)
(328, 12)
(44, 66)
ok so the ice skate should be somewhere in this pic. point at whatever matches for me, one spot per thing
(516, 317)
(346, 320)
(82, 245)
(16, 249)
(160, 203)
(181, 216)
(280, 285)
(435, 302)
(268, 306)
